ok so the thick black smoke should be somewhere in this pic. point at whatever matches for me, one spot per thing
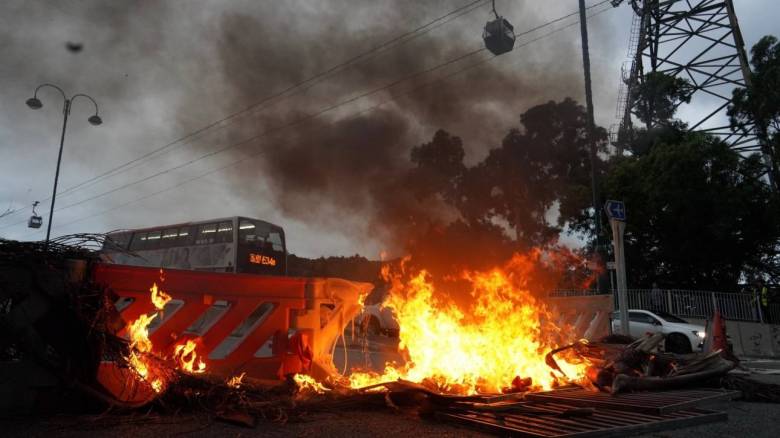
(339, 166)
(342, 171)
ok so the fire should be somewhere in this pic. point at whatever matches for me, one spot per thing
(159, 298)
(139, 333)
(141, 346)
(236, 381)
(494, 345)
(186, 356)
(306, 383)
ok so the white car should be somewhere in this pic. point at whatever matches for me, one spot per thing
(681, 336)
(376, 320)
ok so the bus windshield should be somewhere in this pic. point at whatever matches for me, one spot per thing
(261, 248)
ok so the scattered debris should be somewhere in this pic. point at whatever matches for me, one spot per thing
(639, 366)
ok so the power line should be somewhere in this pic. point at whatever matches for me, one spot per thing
(273, 130)
(312, 81)
(281, 95)
(312, 116)
(393, 98)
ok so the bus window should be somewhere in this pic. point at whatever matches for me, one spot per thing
(260, 248)
(276, 241)
(246, 231)
(139, 242)
(153, 239)
(168, 239)
(207, 233)
(224, 232)
(186, 236)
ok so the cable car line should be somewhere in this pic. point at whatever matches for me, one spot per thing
(393, 98)
(317, 114)
(408, 36)
(280, 95)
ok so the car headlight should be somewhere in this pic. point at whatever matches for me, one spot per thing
(699, 334)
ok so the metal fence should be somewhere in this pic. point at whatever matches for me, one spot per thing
(773, 313)
(693, 303)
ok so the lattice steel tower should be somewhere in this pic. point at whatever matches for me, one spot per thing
(698, 40)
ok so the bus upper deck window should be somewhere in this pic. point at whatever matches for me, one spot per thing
(186, 236)
(246, 231)
(276, 241)
(225, 232)
(153, 240)
(206, 234)
(139, 242)
(169, 237)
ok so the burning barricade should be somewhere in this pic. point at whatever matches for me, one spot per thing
(506, 341)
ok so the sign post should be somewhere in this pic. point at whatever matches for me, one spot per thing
(616, 211)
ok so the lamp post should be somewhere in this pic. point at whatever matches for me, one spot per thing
(35, 103)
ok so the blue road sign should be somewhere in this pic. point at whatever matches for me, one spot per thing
(616, 210)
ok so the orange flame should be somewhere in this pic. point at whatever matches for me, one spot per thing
(186, 355)
(236, 381)
(503, 335)
(141, 345)
(159, 298)
(307, 384)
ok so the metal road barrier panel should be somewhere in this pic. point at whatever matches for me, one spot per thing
(587, 316)
(264, 326)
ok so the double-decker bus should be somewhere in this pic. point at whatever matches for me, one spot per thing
(233, 244)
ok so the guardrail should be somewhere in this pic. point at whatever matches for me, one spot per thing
(693, 303)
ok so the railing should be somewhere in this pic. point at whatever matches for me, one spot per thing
(693, 303)
(773, 313)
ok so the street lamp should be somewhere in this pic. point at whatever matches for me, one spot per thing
(35, 103)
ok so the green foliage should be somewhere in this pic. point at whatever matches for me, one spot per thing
(759, 103)
(438, 166)
(699, 214)
(535, 167)
(761, 100)
(656, 98)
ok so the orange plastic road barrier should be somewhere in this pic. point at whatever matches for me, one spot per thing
(264, 326)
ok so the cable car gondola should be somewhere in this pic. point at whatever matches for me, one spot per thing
(499, 34)
(35, 220)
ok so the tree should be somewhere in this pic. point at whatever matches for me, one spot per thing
(700, 216)
(520, 182)
(759, 103)
(656, 98)
(438, 166)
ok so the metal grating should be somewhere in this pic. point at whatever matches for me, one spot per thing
(656, 402)
(550, 420)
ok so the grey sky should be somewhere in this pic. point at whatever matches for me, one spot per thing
(160, 70)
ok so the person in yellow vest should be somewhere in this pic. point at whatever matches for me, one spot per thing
(759, 311)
